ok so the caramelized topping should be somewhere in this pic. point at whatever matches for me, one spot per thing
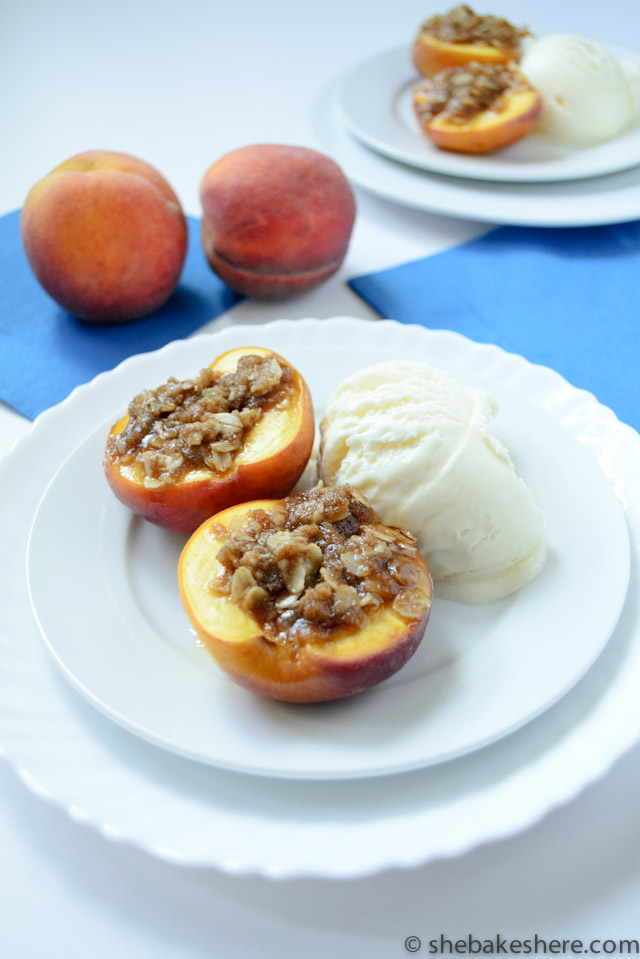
(462, 25)
(318, 562)
(458, 94)
(199, 423)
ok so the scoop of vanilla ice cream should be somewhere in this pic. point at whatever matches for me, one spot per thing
(418, 444)
(585, 91)
(632, 76)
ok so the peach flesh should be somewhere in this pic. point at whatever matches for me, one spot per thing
(431, 55)
(272, 460)
(305, 673)
(490, 130)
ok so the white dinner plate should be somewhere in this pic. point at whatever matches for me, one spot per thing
(376, 97)
(196, 814)
(614, 198)
(479, 673)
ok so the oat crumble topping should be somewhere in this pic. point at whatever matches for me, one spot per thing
(320, 561)
(462, 25)
(198, 423)
(458, 94)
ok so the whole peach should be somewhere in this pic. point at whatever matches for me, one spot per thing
(277, 219)
(105, 236)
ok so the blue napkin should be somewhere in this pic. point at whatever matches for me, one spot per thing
(565, 298)
(45, 352)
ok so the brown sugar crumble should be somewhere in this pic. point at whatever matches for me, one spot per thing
(199, 423)
(462, 25)
(458, 94)
(318, 562)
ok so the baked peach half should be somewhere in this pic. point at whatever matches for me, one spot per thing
(461, 36)
(307, 598)
(476, 108)
(431, 55)
(243, 428)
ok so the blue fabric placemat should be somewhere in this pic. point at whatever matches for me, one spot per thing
(45, 352)
(564, 298)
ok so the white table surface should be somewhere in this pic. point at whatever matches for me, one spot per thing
(179, 84)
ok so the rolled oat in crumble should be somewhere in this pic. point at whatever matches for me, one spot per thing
(462, 25)
(199, 423)
(458, 94)
(318, 562)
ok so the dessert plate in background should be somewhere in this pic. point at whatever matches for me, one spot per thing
(104, 591)
(584, 202)
(375, 97)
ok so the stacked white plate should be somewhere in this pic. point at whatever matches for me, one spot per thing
(111, 709)
(364, 120)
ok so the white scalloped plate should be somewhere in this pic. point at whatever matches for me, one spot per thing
(376, 99)
(480, 672)
(591, 201)
(195, 814)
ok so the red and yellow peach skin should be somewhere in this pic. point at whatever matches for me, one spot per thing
(105, 236)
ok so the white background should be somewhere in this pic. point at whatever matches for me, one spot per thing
(179, 84)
